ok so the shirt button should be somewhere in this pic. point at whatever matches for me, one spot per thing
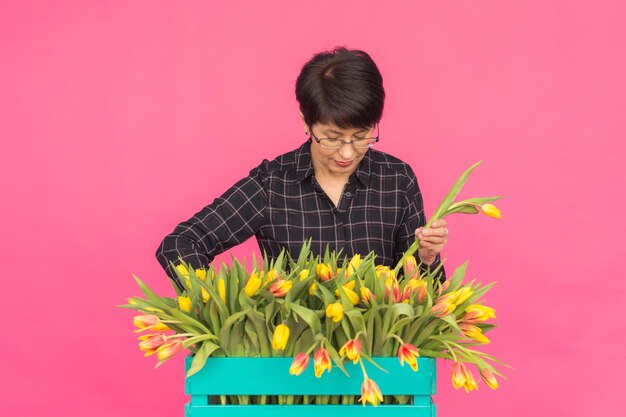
(348, 194)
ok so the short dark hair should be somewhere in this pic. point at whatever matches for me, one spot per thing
(341, 87)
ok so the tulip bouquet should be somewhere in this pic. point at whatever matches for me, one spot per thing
(331, 308)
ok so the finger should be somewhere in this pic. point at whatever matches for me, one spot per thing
(439, 231)
(434, 240)
(439, 223)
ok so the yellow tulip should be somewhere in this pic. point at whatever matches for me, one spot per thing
(221, 289)
(304, 274)
(182, 269)
(281, 335)
(151, 342)
(253, 285)
(312, 289)
(184, 304)
(271, 276)
(353, 265)
(462, 294)
(384, 272)
(205, 295)
(350, 293)
(335, 312)
(491, 210)
(201, 274)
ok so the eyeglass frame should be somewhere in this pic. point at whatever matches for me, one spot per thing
(343, 142)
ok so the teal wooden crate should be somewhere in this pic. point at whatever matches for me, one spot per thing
(270, 376)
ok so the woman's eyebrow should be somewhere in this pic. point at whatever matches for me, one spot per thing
(327, 131)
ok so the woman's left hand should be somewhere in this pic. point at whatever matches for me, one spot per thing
(432, 240)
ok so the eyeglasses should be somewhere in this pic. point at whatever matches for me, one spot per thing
(357, 142)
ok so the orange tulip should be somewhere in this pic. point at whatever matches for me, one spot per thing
(409, 354)
(489, 378)
(409, 265)
(321, 362)
(370, 393)
(444, 305)
(367, 295)
(149, 343)
(476, 313)
(474, 332)
(352, 349)
(169, 349)
(324, 272)
(280, 287)
(462, 377)
(299, 364)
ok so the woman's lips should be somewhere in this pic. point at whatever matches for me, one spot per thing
(343, 164)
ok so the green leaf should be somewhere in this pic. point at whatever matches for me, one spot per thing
(201, 356)
(457, 276)
(226, 328)
(309, 317)
(454, 191)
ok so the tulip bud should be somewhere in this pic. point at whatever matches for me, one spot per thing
(489, 378)
(253, 285)
(201, 274)
(281, 335)
(304, 274)
(221, 289)
(409, 265)
(352, 349)
(370, 393)
(324, 272)
(184, 304)
(491, 210)
(321, 362)
(169, 349)
(335, 311)
(409, 354)
(280, 287)
(299, 364)
(149, 322)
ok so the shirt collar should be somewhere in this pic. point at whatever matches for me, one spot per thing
(304, 165)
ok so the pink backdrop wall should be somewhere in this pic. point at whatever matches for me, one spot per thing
(120, 119)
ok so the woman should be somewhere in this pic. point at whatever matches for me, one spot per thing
(334, 189)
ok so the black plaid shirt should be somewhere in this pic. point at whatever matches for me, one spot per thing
(282, 204)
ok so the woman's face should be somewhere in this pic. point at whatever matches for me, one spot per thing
(339, 162)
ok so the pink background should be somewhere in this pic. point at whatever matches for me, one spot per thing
(120, 119)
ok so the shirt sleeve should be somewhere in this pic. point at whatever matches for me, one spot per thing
(231, 219)
(414, 218)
